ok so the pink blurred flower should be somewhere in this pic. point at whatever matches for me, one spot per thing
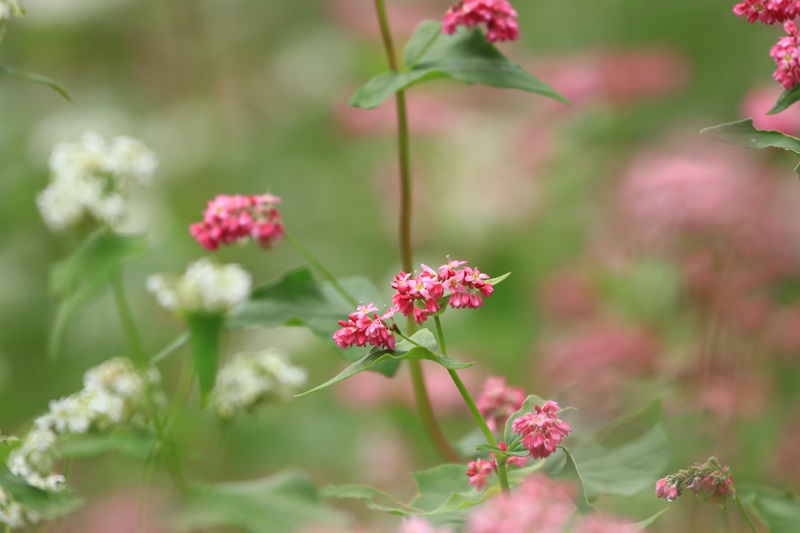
(362, 329)
(537, 504)
(566, 295)
(786, 54)
(498, 16)
(499, 401)
(616, 76)
(595, 523)
(417, 524)
(767, 11)
(229, 219)
(541, 431)
(759, 100)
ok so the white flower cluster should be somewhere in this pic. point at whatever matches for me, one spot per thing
(253, 378)
(92, 179)
(205, 287)
(114, 392)
(13, 514)
(10, 9)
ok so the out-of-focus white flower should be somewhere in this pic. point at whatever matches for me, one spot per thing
(114, 392)
(205, 287)
(10, 9)
(91, 180)
(253, 378)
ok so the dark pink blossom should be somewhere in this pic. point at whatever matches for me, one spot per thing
(362, 329)
(478, 470)
(498, 16)
(786, 54)
(499, 401)
(767, 11)
(229, 219)
(423, 295)
(542, 431)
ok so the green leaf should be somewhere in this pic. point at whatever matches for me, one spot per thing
(571, 471)
(137, 444)
(780, 511)
(650, 520)
(499, 279)
(276, 504)
(465, 56)
(786, 99)
(403, 350)
(49, 505)
(623, 467)
(528, 406)
(7, 445)
(440, 490)
(19, 74)
(205, 330)
(297, 299)
(83, 276)
(743, 134)
(628, 428)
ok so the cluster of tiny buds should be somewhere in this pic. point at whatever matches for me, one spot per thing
(708, 481)
(419, 297)
(499, 18)
(478, 470)
(541, 431)
(237, 218)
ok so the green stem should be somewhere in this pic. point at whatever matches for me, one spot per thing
(170, 348)
(424, 408)
(476, 413)
(140, 357)
(743, 509)
(314, 262)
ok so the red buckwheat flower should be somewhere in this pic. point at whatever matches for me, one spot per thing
(708, 481)
(477, 472)
(541, 431)
(362, 329)
(786, 54)
(498, 401)
(767, 11)
(229, 219)
(467, 288)
(498, 16)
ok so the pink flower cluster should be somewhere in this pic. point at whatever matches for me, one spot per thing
(498, 401)
(786, 54)
(498, 16)
(708, 481)
(480, 468)
(362, 329)
(767, 11)
(467, 288)
(229, 219)
(541, 431)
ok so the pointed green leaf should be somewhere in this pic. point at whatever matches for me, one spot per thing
(498, 279)
(465, 56)
(622, 467)
(19, 74)
(786, 99)
(297, 299)
(780, 511)
(650, 520)
(628, 428)
(205, 330)
(278, 504)
(135, 443)
(83, 276)
(571, 471)
(528, 406)
(404, 350)
(743, 134)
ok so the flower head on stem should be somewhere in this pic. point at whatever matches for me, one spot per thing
(361, 329)
(541, 431)
(237, 218)
(767, 11)
(708, 481)
(786, 54)
(498, 16)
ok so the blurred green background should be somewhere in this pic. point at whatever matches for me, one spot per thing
(250, 97)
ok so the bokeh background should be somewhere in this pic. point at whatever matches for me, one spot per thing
(647, 262)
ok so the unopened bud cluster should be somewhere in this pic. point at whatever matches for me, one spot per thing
(708, 481)
(205, 287)
(91, 180)
(252, 379)
(113, 393)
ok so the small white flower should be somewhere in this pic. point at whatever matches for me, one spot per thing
(205, 287)
(10, 9)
